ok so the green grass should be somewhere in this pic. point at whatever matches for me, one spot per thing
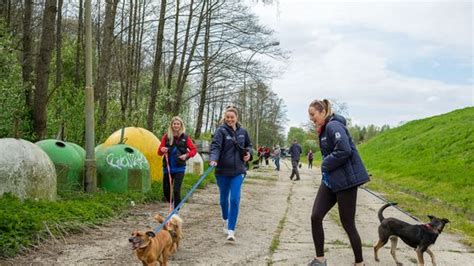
(25, 223)
(430, 159)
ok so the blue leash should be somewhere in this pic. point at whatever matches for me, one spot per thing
(176, 210)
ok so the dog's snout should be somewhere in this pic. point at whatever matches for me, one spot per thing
(130, 239)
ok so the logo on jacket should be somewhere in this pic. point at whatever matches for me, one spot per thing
(338, 135)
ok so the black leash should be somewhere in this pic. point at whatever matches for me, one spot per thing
(395, 206)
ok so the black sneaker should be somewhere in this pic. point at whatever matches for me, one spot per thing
(316, 262)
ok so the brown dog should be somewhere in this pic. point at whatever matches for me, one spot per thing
(418, 236)
(152, 248)
(173, 226)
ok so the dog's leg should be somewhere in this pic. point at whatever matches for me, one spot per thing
(393, 249)
(377, 246)
(419, 254)
(432, 257)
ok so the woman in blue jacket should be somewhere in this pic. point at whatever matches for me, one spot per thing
(342, 171)
(230, 149)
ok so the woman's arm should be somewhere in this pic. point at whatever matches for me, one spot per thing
(162, 145)
(216, 146)
(342, 148)
(191, 148)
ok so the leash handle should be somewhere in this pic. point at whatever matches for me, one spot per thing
(176, 210)
(386, 201)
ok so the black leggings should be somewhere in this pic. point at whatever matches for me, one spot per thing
(346, 203)
(177, 179)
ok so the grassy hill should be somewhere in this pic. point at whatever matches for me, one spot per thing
(431, 159)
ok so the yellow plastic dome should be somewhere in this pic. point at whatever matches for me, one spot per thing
(144, 141)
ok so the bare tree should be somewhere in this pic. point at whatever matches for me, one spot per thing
(27, 60)
(105, 59)
(79, 44)
(42, 69)
(156, 66)
(59, 64)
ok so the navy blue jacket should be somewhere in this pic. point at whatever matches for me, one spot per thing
(226, 154)
(341, 161)
(295, 152)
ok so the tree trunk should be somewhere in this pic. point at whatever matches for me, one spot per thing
(185, 70)
(42, 69)
(156, 67)
(79, 44)
(105, 59)
(170, 104)
(175, 48)
(202, 99)
(27, 63)
(59, 65)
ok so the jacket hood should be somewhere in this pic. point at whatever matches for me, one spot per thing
(338, 118)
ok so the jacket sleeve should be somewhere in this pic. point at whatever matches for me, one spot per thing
(162, 144)
(216, 145)
(342, 148)
(192, 149)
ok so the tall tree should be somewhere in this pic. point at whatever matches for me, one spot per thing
(58, 44)
(42, 69)
(156, 67)
(79, 44)
(184, 68)
(27, 60)
(100, 90)
(202, 98)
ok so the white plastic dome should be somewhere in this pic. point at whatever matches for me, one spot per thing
(195, 165)
(26, 170)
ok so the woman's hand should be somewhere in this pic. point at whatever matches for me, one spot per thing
(247, 157)
(213, 163)
(164, 149)
(183, 157)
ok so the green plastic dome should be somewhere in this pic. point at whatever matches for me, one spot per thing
(68, 162)
(122, 168)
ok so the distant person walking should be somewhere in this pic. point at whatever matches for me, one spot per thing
(266, 155)
(310, 159)
(342, 172)
(260, 154)
(295, 152)
(230, 149)
(276, 157)
(177, 148)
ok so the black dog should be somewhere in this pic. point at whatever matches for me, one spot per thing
(419, 236)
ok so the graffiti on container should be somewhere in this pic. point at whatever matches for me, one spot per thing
(130, 161)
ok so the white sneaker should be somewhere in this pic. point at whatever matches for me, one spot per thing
(225, 226)
(230, 235)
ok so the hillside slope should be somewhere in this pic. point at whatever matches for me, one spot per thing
(432, 156)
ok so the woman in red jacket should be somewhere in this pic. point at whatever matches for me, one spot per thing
(177, 148)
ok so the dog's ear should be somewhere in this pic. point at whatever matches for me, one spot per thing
(431, 216)
(445, 220)
(150, 234)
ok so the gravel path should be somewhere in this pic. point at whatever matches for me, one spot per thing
(273, 229)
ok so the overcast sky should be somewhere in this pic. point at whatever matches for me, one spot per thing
(389, 61)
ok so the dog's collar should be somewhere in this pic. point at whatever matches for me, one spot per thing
(430, 227)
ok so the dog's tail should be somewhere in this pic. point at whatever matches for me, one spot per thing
(381, 218)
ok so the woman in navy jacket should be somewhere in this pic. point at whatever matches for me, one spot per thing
(230, 149)
(342, 171)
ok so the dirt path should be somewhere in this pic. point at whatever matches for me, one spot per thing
(273, 210)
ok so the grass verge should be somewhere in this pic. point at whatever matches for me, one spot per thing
(26, 223)
(421, 206)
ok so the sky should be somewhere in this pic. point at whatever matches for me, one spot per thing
(389, 61)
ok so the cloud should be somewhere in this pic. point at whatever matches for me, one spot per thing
(389, 61)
